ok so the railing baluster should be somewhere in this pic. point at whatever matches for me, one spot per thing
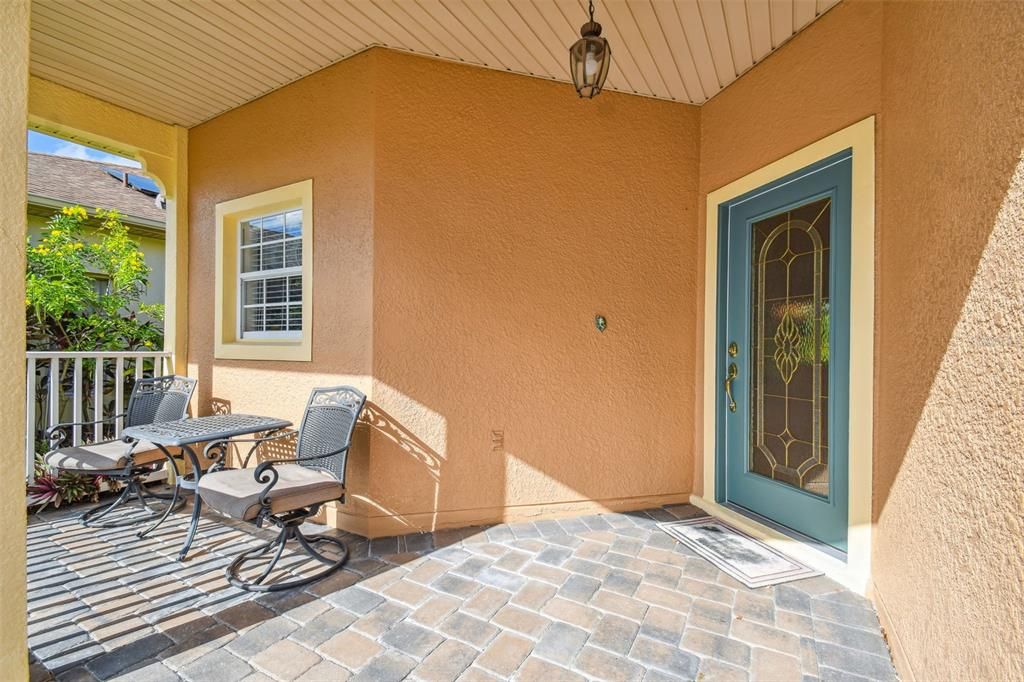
(54, 408)
(53, 393)
(118, 394)
(30, 420)
(97, 400)
(76, 402)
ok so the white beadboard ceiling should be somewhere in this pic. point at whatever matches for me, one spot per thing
(186, 61)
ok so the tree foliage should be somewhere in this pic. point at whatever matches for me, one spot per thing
(86, 295)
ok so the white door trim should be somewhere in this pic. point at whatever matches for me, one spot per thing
(855, 572)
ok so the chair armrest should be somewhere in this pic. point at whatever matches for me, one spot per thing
(268, 463)
(58, 433)
(267, 475)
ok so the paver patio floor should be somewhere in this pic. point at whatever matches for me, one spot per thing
(593, 597)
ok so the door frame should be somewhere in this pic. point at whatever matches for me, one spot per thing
(853, 572)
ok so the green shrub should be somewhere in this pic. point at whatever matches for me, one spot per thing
(64, 309)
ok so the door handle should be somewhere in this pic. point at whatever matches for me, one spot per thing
(730, 376)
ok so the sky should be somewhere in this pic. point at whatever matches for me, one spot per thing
(38, 142)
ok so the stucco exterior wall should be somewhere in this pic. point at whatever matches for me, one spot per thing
(14, 36)
(943, 80)
(508, 213)
(949, 434)
(469, 226)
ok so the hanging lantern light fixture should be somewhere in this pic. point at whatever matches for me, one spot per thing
(589, 59)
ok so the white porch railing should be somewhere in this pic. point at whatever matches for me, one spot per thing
(59, 400)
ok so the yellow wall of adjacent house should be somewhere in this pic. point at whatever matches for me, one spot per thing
(163, 151)
(14, 36)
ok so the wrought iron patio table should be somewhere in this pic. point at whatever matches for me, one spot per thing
(217, 431)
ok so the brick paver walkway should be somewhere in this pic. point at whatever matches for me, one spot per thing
(595, 597)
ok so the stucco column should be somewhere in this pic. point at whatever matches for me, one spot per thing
(176, 269)
(170, 169)
(14, 33)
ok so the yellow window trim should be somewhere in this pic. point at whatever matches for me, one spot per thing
(229, 214)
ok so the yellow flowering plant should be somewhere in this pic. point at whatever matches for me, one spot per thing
(85, 294)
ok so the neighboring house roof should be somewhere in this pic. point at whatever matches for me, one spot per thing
(89, 185)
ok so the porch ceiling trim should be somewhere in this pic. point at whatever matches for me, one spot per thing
(186, 62)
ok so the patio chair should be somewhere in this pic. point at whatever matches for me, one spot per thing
(287, 491)
(157, 399)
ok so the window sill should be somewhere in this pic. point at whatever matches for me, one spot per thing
(288, 350)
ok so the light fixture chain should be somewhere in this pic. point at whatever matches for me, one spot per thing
(591, 9)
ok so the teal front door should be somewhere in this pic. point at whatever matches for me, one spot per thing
(783, 351)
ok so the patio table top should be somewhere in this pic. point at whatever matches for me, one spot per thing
(199, 429)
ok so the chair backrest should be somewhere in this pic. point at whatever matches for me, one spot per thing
(327, 427)
(159, 399)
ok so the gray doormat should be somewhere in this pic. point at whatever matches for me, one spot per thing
(750, 561)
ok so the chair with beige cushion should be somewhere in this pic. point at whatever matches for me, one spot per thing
(286, 491)
(157, 399)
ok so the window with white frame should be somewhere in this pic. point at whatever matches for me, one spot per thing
(270, 276)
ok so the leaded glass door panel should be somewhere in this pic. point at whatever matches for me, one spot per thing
(784, 349)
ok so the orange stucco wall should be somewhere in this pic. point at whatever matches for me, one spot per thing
(468, 227)
(507, 214)
(943, 80)
(949, 420)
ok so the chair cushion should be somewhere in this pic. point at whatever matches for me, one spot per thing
(107, 456)
(236, 492)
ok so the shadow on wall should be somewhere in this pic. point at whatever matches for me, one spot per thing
(418, 468)
(948, 428)
(384, 424)
(948, 455)
(932, 285)
(219, 406)
(952, 474)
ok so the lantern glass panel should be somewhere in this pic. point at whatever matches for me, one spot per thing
(589, 60)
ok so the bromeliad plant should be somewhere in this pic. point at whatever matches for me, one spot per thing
(58, 488)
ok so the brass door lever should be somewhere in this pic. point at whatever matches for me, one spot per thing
(730, 376)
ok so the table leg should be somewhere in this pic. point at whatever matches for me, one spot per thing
(197, 500)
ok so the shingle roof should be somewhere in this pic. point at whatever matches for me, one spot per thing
(76, 181)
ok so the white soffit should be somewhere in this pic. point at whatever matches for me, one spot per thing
(186, 61)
